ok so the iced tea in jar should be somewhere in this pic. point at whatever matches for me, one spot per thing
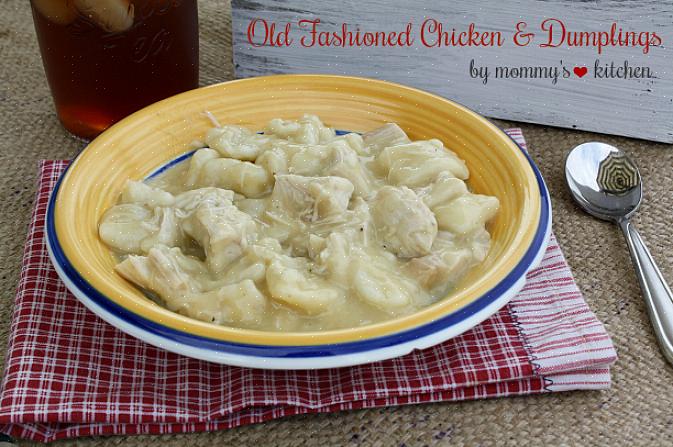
(105, 59)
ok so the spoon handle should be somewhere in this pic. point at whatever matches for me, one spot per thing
(656, 292)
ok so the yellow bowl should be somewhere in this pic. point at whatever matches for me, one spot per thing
(158, 134)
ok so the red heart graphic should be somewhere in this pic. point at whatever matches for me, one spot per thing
(580, 71)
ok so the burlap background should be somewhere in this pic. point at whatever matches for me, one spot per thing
(638, 410)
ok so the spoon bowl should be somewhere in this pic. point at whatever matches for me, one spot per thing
(604, 181)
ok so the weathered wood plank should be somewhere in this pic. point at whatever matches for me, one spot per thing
(640, 108)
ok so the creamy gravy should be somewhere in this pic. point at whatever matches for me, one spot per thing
(299, 229)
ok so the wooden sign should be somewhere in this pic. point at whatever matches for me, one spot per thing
(604, 66)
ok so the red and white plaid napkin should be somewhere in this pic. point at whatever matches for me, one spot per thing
(69, 374)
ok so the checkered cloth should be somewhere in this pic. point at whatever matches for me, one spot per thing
(69, 374)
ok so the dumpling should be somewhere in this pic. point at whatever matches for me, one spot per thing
(415, 176)
(196, 163)
(237, 142)
(445, 189)
(252, 265)
(372, 276)
(311, 198)
(404, 223)
(131, 228)
(206, 168)
(355, 142)
(240, 303)
(122, 227)
(240, 176)
(189, 201)
(288, 148)
(274, 161)
(290, 283)
(307, 130)
(143, 194)
(379, 286)
(247, 267)
(467, 213)
(385, 136)
(223, 137)
(419, 163)
(309, 161)
(344, 162)
(266, 249)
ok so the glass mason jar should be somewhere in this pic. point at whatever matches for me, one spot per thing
(105, 59)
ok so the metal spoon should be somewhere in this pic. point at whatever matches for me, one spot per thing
(606, 183)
